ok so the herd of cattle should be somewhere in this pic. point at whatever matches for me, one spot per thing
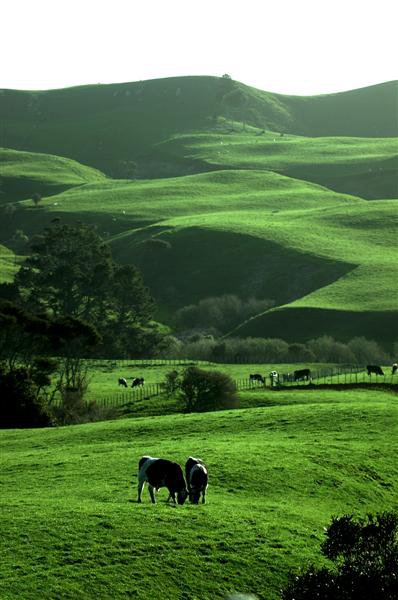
(161, 472)
(305, 374)
(298, 375)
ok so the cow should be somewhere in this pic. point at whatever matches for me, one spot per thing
(274, 377)
(197, 479)
(394, 369)
(161, 472)
(122, 381)
(374, 369)
(138, 381)
(302, 374)
(256, 377)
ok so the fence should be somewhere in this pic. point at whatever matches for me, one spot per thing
(332, 376)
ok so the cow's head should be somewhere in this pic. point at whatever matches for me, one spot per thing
(182, 495)
(194, 496)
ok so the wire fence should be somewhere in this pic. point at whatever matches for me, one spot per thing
(322, 377)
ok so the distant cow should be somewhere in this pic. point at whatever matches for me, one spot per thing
(302, 374)
(394, 369)
(274, 377)
(122, 381)
(256, 377)
(160, 472)
(197, 479)
(138, 381)
(374, 369)
(287, 377)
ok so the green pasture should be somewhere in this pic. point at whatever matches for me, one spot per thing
(8, 264)
(363, 167)
(106, 125)
(104, 375)
(24, 173)
(70, 526)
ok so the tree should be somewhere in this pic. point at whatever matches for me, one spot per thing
(207, 390)
(71, 273)
(68, 271)
(365, 556)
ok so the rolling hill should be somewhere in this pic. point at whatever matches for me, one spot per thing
(80, 531)
(279, 197)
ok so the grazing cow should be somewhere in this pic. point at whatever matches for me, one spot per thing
(138, 381)
(394, 369)
(374, 369)
(302, 374)
(274, 377)
(197, 479)
(122, 381)
(256, 377)
(160, 472)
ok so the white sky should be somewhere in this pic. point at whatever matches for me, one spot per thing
(288, 46)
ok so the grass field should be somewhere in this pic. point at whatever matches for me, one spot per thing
(8, 265)
(23, 174)
(71, 528)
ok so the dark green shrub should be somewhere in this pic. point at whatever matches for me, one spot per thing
(365, 553)
(20, 404)
(207, 390)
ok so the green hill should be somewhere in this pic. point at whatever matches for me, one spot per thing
(277, 475)
(23, 174)
(251, 233)
(232, 194)
(108, 126)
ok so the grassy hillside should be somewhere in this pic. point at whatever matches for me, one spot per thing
(228, 197)
(68, 516)
(360, 166)
(24, 173)
(106, 126)
(252, 233)
(8, 264)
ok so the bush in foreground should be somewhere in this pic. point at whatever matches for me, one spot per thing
(365, 553)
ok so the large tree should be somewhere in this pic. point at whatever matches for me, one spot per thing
(71, 273)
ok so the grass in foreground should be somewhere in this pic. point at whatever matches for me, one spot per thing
(277, 474)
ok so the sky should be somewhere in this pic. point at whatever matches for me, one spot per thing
(299, 47)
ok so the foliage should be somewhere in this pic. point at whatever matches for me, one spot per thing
(172, 382)
(71, 272)
(221, 312)
(21, 404)
(365, 553)
(207, 390)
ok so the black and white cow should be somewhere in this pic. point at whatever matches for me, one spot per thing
(302, 374)
(256, 377)
(394, 368)
(160, 472)
(374, 369)
(197, 479)
(122, 381)
(138, 381)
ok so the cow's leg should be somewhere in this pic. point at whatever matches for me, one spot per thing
(172, 497)
(140, 488)
(152, 493)
(204, 497)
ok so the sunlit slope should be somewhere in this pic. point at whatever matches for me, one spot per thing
(325, 456)
(23, 174)
(107, 126)
(8, 265)
(252, 233)
(359, 166)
